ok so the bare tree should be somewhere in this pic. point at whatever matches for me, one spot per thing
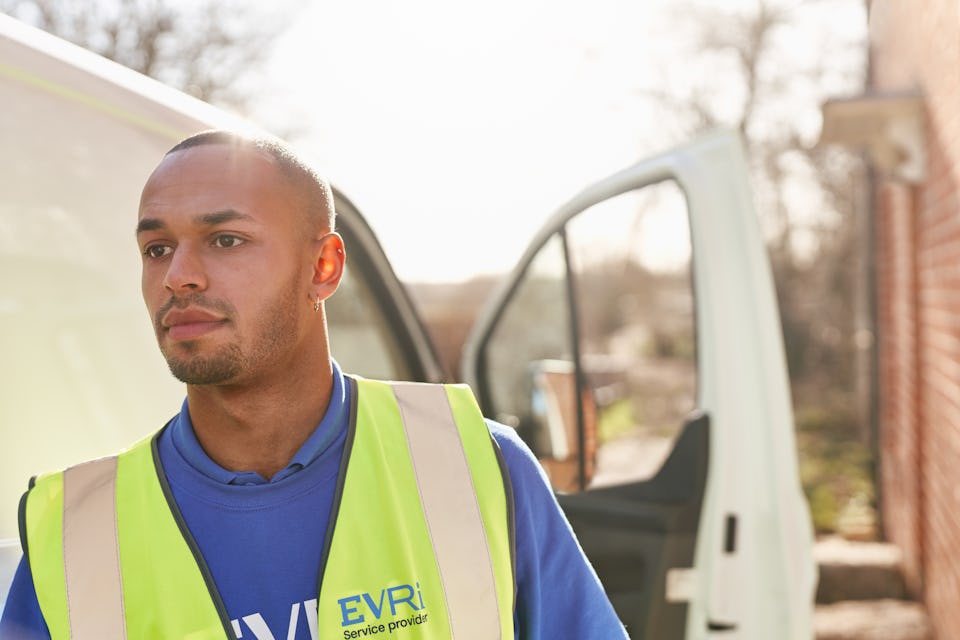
(765, 70)
(208, 48)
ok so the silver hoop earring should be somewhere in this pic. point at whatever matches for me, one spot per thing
(316, 305)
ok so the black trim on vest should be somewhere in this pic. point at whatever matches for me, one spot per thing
(188, 537)
(511, 513)
(22, 518)
(341, 479)
(22, 522)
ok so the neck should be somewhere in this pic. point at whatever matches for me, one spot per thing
(260, 427)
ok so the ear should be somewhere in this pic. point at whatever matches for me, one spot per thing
(329, 260)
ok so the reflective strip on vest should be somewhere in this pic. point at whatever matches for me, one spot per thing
(450, 507)
(420, 541)
(91, 551)
(74, 524)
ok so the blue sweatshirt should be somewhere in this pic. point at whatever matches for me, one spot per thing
(262, 539)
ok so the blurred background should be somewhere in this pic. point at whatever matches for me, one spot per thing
(457, 129)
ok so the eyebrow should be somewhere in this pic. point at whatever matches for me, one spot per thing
(206, 219)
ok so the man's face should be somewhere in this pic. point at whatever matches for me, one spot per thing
(226, 266)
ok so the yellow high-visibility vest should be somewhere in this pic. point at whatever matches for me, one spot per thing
(420, 545)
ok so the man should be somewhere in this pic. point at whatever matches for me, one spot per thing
(287, 499)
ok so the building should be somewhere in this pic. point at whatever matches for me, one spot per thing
(908, 122)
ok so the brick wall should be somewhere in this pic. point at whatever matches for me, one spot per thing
(916, 46)
(900, 451)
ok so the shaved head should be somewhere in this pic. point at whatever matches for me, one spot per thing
(318, 207)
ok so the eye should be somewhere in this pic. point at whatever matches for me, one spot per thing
(156, 251)
(227, 241)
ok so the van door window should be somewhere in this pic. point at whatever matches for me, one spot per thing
(630, 257)
(593, 359)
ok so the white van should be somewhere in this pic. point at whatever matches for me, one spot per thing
(636, 347)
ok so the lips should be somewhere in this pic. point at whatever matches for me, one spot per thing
(187, 324)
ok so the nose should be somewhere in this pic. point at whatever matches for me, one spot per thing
(185, 271)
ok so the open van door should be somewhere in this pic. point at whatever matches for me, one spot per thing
(637, 349)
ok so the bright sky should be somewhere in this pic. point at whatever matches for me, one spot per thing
(458, 129)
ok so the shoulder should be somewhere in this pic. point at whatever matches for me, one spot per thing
(504, 435)
(548, 554)
(519, 459)
(533, 496)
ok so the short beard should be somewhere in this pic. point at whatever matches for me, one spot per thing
(273, 330)
(215, 369)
